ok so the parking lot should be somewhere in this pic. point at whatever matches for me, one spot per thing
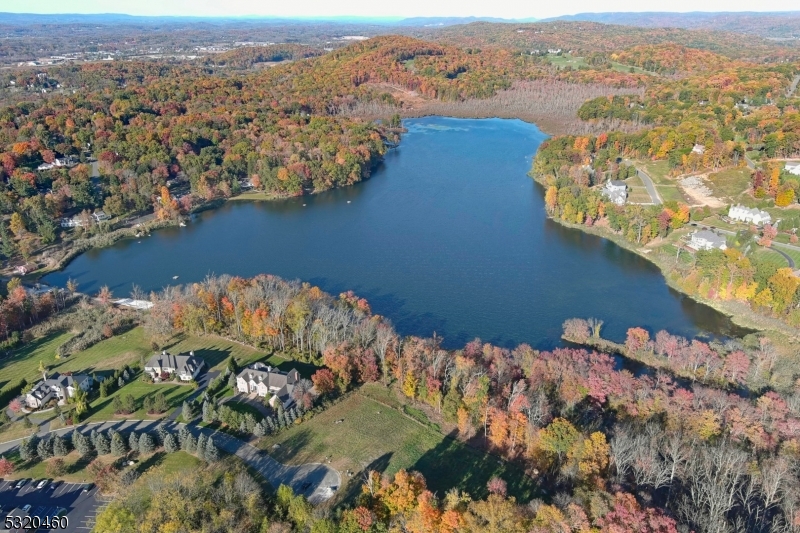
(81, 507)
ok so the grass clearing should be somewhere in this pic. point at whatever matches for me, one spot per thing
(729, 183)
(566, 60)
(24, 362)
(670, 193)
(374, 436)
(75, 468)
(791, 252)
(657, 170)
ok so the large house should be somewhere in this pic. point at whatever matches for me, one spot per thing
(707, 240)
(750, 215)
(65, 162)
(77, 221)
(793, 168)
(262, 380)
(616, 191)
(163, 365)
(58, 386)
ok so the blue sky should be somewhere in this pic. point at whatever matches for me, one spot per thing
(382, 8)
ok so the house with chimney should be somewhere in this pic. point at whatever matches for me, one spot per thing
(268, 382)
(58, 386)
(164, 366)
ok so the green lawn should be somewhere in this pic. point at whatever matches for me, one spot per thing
(771, 257)
(566, 60)
(24, 362)
(639, 195)
(794, 254)
(75, 468)
(729, 183)
(102, 409)
(245, 408)
(657, 170)
(378, 437)
(670, 193)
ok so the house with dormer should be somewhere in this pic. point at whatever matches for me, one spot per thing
(58, 386)
(268, 382)
(165, 365)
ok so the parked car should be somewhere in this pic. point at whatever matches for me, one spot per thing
(42, 484)
(87, 487)
(26, 508)
(53, 485)
(20, 483)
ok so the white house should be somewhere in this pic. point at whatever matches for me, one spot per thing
(60, 386)
(698, 149)
(616, 191)
(163, 364)
(64, 162)
(707, 240)
(750, 215)
(793, 168)
(263, 380)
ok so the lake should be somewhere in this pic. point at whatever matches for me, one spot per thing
(449, 235)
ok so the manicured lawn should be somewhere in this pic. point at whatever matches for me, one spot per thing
(378, 437)
(75, 468)
(14, 430)
(794, 254)
(245, 408)
(24, 362)
(729, 183)
(772, 257)
(639, 195)
(102, 409)
(566, 60)
(214, 350)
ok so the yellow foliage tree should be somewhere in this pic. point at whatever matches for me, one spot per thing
(410, 385)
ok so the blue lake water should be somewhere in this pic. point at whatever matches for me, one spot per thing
(448, 236)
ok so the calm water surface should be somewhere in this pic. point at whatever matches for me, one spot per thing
(449, 235)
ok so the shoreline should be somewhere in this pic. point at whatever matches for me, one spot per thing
(756, 323)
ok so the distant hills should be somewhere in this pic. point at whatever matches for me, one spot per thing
(116, 18)
(765, 24)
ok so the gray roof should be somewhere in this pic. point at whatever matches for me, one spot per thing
(710, 236)
(45, 387)
(272, 377)
(618, 183)
(181, 363)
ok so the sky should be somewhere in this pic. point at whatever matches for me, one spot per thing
(383, 8)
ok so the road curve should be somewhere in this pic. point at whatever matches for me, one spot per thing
(651, 188)
(316, 481)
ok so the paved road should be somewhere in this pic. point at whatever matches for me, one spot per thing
(651, 189)
(785, 255)
(81, 506)
(316, 481)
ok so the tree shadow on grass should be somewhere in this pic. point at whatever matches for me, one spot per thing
(451, 464)
(82, 462)
(151, 462)
(351, 486)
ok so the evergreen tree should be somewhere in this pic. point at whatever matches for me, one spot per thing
(232, 381)
(60, 446)
(189, 444)
(189, 411)
(44, 449)
(259, 430)
(161, 433)
(211, 452)
(170, 443)
(183, 432)
(118, 446)
(133, 441)
(120, 382)
(201, 444)
(93, 437)
(82, 443)
(160, 404)
(7, 246)
(102, 444)
(209, 415)
(27, 448)
(146, 444)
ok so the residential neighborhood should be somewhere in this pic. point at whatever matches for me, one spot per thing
(751, 215)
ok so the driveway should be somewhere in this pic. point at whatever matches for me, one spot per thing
(317, 482)
(651, 189)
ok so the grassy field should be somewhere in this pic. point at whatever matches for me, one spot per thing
(24, 362)
(374, 436)
(102, 409)
(566, 60)
(75, 468)
(670, 193)
(729, 183)
(657, 170)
